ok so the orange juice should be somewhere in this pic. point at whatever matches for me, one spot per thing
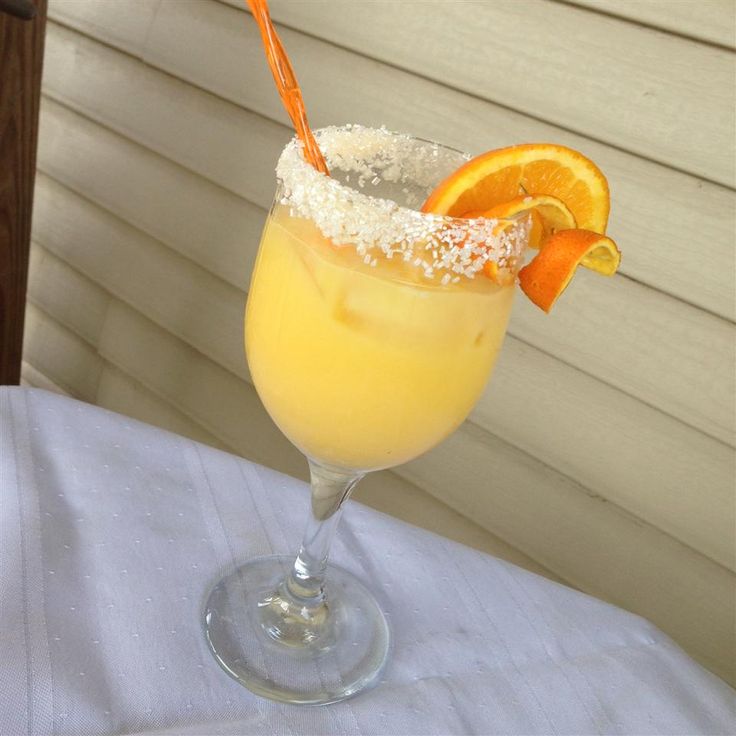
(361, 364)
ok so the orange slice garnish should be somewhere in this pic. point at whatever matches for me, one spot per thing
(500, 176)
(547, 275)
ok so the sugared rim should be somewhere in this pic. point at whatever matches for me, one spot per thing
(444, 248)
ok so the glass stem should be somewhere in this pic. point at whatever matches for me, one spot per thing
(330, 489)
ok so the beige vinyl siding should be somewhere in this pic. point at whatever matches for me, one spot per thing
(637, 83)
(33, 378)
(602, 452)
(704, 20)
(73, 364)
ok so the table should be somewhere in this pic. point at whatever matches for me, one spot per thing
(112, 530)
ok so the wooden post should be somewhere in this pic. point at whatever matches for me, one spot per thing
(21, 57)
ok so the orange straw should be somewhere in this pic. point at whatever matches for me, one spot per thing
(286, 84)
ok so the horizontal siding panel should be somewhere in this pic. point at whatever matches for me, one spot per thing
(60, 355)
(655, 467)
(664, 98)
(122, 24)
(79, 306)
(171, 117)
(210, 225)
(393, 494)
(667, 486)
(595, 545)
(64, 293)
(135, 268)
(34, 378)
(687, 375)
(659, 349)
(659, 215)
(120, 393)
(705, 20)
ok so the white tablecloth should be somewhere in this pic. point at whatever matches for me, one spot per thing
(111, 531)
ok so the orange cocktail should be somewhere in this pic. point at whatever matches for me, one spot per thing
(365, 365)
(377, 308)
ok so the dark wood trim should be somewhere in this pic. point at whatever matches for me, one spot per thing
(21, 58)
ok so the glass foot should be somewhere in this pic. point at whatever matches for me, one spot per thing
(261, 635)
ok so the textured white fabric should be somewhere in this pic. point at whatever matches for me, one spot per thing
(112, 531)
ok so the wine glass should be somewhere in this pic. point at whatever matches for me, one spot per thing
(371, 330)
